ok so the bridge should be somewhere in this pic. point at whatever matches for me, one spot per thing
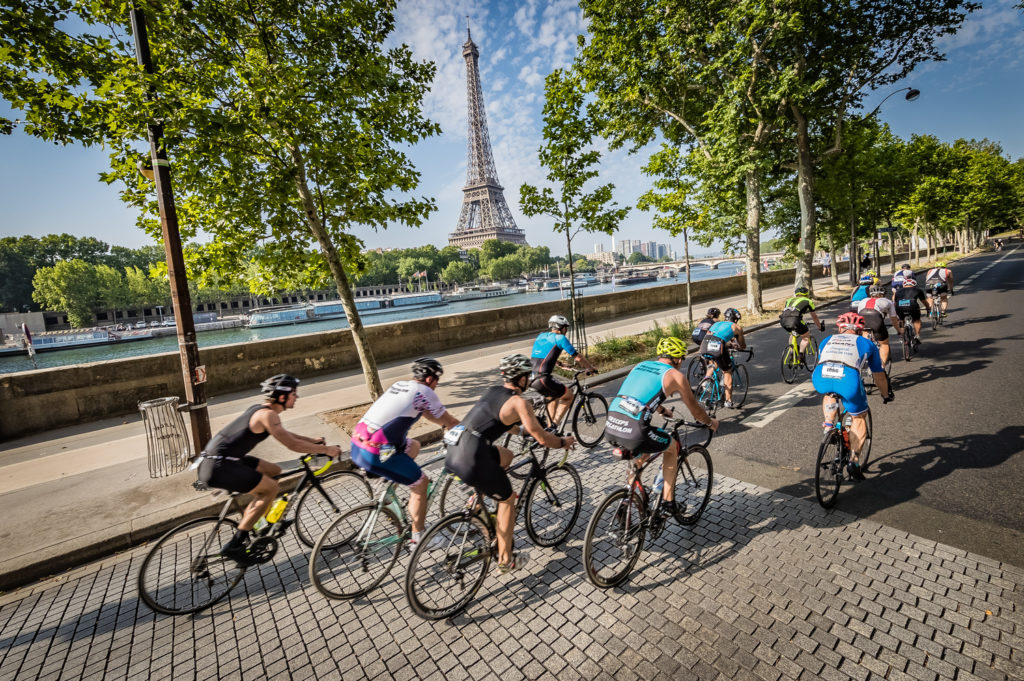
(709, 262)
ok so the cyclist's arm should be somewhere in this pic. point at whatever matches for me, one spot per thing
(673, 383)
(580, 359)
(271, 423)
(445, 420)
(739, 337)
(814, 316)
(531, 425)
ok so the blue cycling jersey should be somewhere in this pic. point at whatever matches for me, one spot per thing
(860, 293)
(546, 351)
(642, 390)
(722, 330)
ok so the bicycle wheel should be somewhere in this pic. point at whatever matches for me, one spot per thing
(828, 471)
(552, 505)
(790, 364)
(696, 369)
(314, 512)
(865, 450)
(455, 496)
(588, 419)
(444, 574)
(908, 339)
(356, 552)
(811, 353)
(740, 385)
(933, 316)
(614, 538)
(517, 444)
(693, 485)
(707, 395)
(184, 571)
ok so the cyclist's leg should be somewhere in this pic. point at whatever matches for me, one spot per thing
(562, 405)
(670, 466)
(417, 491)
(805, 335)
(725, 363)
(945, 302)
(506, 517)
(262, 495)
(883, 349)
(400, 469)
(855, 402)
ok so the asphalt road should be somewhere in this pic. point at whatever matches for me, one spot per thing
(948, 455)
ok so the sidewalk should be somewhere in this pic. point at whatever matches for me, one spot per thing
(79, 493)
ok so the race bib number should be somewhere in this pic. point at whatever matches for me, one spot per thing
(714, 346)
(832, 371)
(452, 437)
(631, 405)
(385, 452)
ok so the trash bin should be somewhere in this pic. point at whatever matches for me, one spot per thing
(167, 440)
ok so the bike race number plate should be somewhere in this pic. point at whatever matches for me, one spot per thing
(832, 371)
(714, 346)
(452, 437)
(631, 405)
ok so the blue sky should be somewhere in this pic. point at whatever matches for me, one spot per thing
(978, 92)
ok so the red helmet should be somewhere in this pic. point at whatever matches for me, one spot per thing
(850, 320)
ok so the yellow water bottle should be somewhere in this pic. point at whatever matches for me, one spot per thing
(277, 510)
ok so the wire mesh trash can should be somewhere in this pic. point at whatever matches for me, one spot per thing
(167, 440)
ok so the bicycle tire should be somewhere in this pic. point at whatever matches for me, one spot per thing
(351, 557)
(740, 385)
(553, 504)
(518, 445)
(828, 469)
(617, 527)
(933, 317)
(707, 395)
(865, 450)
(696, 370)
(314, 512)
(437, 573)
(455, 495)
(694, 481)
(591, 412)
(811, 353)
(199, 581)
(790, 364)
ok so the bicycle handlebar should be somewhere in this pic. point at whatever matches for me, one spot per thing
(676, 424)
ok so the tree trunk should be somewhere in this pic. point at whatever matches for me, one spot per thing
(689, 299)
(317, 228)
(805, 192)
(892, 248)
(753, 229)
(854, 252)
(917, 243)
(572, 279)
(834, 269)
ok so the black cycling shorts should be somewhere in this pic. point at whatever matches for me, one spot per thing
(793, 323)
(876, 322)
(913, 311)
(930, 288)
(548, 386)
(633, 437)
(234, 475)
(478, 463)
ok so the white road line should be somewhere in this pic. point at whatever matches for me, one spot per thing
(762, 417)
(989, 266)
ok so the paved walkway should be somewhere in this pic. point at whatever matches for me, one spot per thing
(765, 586)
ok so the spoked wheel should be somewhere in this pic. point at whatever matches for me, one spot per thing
(811, 354)
(696, 369)
(184, 571)
(314, 512)
(356, 552)
(448, 566)
(693, 485)
(740, 385)
(933, 317)
(790, 364)
(517, 444)
(588, 419)
(828, 472)
(553, 504)
(614, 538)
(707, 395)
(455, 496)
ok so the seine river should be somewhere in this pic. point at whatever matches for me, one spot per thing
(242, 334)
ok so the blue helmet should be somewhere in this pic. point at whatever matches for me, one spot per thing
(866, 279)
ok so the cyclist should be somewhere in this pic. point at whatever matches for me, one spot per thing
(473, 456)
(546, 350)
(939, 280)
(640, 396)
(906, 300)
(380, 442)
(874, 310)
(792, 317)
(899, 277)
(840, 359)
(226, 462)
(867, 280)
(701, 329)
(715, 348)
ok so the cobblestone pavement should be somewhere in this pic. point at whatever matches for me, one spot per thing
(764, 586)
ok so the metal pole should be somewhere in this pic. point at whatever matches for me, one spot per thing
(195, 390)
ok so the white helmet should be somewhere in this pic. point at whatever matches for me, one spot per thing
(558, 321)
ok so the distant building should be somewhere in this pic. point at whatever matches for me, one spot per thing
(606, 257)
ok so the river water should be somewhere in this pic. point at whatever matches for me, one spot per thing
(242, 334)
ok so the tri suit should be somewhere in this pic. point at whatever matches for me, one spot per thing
(875, 311)
(859, 294)
(715, 345)
(840, 359)
(547, 349)
(935, 280)
(701, 330)
(226, 463)
(628, 425)
(908, 302)
(471, 452)
(792, 316)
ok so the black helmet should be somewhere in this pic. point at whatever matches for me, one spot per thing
(802, 290)
(732, 314)
(426, 367)
(514, 366)
(276, 386)
(714, 312)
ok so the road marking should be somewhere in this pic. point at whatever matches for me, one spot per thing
(987, 267)
(762, 417)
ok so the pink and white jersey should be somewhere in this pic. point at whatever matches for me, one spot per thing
(399, 408)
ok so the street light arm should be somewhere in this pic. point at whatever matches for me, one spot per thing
(911, 96)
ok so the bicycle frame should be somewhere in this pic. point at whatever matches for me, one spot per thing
(577, 394)
(536, 472)
(388, 499)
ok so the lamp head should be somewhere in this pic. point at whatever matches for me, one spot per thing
(912, 94)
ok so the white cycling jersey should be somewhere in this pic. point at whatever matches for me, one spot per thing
(882, 306)
(939, 273)
(397, 409)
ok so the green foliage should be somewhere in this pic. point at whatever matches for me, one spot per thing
(458, 272)
(637, 257)
(72, 286)
(619, 351)
(506, 267)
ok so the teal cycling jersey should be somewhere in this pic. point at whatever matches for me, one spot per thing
(546, 351)
(642, 390)
(722, 330)
(860, 293)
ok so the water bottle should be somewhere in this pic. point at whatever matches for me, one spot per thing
(659, 482)
(277, 510)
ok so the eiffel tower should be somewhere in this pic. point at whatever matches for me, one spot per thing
(485, 215)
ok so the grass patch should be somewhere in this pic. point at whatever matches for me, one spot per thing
(619, 351)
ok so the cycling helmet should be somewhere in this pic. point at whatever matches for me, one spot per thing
(905, 266)
(850, 320)
(558, 321)
(802, 290)
(733, 315)
(670, 346)
(941, 263)
(866, 279)
(876, 290)
(426, 367)
(514, 366)
(909, 281)
(714, 312)
(276, 386)
(871, 273)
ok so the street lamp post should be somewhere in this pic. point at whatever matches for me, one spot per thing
(912, 94)
(195, 389)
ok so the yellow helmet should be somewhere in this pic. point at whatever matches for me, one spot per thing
(670, 346)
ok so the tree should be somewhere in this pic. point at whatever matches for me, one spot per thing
(16, 272)
(492, 249)
(570, 159)
(506, 267)
(285, 123)
(636, 257)
(458, 272)
(70, 286)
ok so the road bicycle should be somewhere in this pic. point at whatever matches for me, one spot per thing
(710, 391)
(793, 360)
(696, 370)
(588, 411)
(359, 549)
(908, 339)
(615, 534)
(866, 375)
(834, 454)
(184, 572)
(935, 316)
(452, 559)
